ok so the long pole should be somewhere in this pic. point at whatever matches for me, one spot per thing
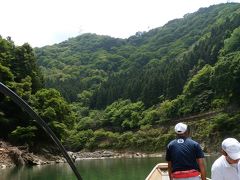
(19, 101)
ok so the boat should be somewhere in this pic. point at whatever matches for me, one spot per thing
(160, 172)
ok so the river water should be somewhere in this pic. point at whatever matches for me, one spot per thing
(95, 169)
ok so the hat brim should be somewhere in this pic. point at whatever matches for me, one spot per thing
(234, 156)
(180, 132)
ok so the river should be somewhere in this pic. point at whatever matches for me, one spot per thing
(94, 169)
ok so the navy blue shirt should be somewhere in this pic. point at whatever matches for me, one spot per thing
(183, 152)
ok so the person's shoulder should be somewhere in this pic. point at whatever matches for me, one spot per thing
(171, 142)
(218, 163)
(192, 141)
(218, 169)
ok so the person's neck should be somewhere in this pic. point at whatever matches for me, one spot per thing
(231, 161)
(181, 137)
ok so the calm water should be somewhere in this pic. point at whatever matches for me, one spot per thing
(102, 169)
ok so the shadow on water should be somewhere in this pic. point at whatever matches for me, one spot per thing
(98, 169)
(45, 172)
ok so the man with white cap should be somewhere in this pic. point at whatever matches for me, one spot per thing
(185, 156)
(227, 167)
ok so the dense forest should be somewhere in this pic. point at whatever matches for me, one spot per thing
(99, 92)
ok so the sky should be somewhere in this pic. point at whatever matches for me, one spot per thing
(46, 22)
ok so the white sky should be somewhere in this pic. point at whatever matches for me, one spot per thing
(45, 22)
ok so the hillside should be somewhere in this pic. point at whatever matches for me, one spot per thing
(99, 92)
(165, 58)
(186, 67)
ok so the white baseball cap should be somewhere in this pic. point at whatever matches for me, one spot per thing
(232, 147)
(180, 128)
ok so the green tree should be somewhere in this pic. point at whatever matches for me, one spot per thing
(123, 114)
(233, 43)
(57, 113)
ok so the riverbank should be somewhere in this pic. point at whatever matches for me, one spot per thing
(102, 154)
(11, 156)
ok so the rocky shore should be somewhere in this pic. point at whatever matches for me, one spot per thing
(102, 154)
(19, 155)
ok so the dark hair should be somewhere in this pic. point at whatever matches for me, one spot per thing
(188, 130)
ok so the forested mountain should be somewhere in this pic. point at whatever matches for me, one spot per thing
(102, 92)
(85, 61)
(188, 66)
(165, 58)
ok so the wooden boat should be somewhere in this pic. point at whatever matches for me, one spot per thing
(160, 172)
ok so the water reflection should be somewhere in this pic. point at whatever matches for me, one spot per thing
(101, 169)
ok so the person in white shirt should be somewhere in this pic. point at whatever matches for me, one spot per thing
(227, 167)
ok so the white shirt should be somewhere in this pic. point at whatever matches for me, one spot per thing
(222, 170)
